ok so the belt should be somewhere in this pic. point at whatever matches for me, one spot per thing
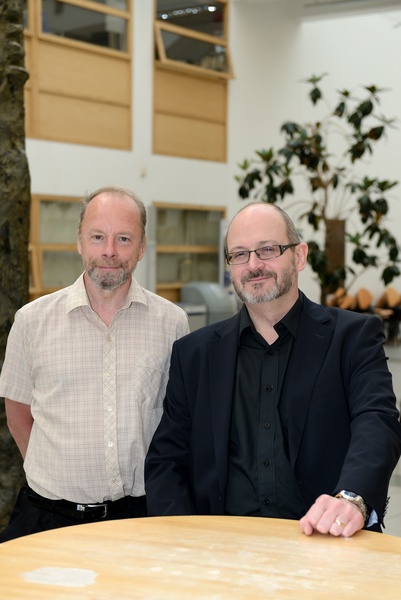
(82, 512)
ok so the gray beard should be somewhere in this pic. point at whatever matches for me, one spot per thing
(108, 281)
(278, 290)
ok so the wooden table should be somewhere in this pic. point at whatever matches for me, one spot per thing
(209, 558)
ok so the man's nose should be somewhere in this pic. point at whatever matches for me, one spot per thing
(109, 247)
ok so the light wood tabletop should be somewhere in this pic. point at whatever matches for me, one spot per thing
(201, 557)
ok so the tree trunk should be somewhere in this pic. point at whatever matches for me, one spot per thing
(14, 219)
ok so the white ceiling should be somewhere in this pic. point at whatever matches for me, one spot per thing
(325, 6)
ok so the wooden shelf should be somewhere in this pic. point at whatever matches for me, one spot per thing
(174, 285)
(199, 249)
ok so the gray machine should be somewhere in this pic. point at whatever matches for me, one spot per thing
(219, 303)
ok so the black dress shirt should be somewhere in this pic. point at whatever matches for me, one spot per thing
(260, 477)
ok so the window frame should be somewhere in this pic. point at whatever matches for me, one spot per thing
(162, 60)
(38, 247)
(126, 15)
(92, 103)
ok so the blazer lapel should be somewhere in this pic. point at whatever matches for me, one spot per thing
(222, 356)
(314, 336)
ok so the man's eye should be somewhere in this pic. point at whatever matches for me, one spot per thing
(239, 254)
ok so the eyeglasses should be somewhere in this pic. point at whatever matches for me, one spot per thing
(266, 253)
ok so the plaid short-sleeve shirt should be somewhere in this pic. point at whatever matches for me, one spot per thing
(95, 392)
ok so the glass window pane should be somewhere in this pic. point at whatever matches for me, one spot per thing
(84, 25)
(184, 267)
(177, 226)
(195, 52)
(25, 15)
(207, 17)
(59, 222)
(120, 4)
(170, 228)
(61, 268)
(202, 227)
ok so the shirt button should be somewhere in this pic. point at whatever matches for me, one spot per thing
(266, 501)
(266, 463)
(110, 444)
(266, 425)
(109, 408)
(269, 388)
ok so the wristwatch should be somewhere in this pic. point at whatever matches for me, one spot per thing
(355, 499)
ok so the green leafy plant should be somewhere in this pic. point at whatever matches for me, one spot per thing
(335, 191)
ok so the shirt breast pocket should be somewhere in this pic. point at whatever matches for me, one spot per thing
(149, 378)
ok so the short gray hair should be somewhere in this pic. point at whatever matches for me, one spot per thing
(119, 191)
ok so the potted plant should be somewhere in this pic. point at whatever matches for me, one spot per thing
(340, 204)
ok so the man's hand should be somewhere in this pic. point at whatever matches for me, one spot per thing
(332, 515)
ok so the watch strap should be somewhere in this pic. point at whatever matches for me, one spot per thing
(355, 499)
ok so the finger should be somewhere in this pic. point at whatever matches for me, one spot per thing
(337, 527)
(344, 527)
(305, 526)
(350, 528)
(340, 523)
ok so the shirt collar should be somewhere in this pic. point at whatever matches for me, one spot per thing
(290, 320)
(77, 295)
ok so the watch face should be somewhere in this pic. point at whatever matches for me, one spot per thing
(350, 494)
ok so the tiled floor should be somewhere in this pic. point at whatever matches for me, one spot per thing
(393, 517)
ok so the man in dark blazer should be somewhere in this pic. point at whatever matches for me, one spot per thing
(284, 410)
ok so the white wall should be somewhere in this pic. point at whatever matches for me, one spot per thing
(272, 53)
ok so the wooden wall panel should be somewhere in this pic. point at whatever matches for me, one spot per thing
(28, 59)
(77, 121)
(81, 73)
(189, 117)
(77, 94)
(28, 86)
(190, 96)
(28, 112)
(180, 136)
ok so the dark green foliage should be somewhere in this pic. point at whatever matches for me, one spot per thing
(335, 189)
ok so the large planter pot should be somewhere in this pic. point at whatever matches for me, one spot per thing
(335, 250)
(335, 243)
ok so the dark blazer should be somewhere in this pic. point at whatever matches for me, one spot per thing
(344, 430)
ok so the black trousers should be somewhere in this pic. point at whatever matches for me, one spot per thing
(26, 518)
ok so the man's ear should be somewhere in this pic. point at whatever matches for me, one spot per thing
(302, 255)
(143, 248)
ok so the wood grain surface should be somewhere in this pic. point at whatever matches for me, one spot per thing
(200, 557)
